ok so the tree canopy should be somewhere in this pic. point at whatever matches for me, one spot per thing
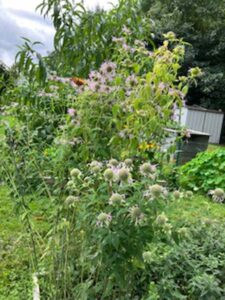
(202, 24)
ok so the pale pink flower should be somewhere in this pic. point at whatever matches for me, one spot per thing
(71, 112)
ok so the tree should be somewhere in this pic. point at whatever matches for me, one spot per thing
(202, 24)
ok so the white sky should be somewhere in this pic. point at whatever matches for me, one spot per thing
(19, 19)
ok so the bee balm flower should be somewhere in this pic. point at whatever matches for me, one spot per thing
(104, 219)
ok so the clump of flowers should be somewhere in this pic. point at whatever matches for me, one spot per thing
(103, 219)
(156, 190)
(161, 220)
(218, 195)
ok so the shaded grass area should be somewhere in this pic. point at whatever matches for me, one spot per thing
(199, 208)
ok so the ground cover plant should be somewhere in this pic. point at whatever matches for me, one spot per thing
(205, 172)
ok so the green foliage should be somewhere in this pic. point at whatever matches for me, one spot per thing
(111, 212)
(30, 63)
(193, 269)
(205, 172)
(83, 38)
(195, 22)
(124, 112)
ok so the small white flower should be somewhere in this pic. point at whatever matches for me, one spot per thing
(116, 199)
(103, 219)
(136, 214)
(218, 195)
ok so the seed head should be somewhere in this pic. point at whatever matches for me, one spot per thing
(156, 190)
(113, 162)
(115, 199)
(161, 219)
(123, 174)
(75, 172)
(96, 169)
(146, 168)
(108, 174)
(219, 192)
(71, 199)
(176, 194)
(189, 194)
(128, 162)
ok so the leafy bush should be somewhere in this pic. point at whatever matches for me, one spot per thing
(205, 172)
(193, 269)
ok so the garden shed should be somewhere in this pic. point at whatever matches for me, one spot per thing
(204, 120)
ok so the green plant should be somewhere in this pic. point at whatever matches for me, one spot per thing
(205, 172)
(83, 38)
(192, 269)
(100, 230)
(123, 108)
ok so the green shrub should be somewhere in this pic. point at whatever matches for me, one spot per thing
(205, 172)
(193, 269)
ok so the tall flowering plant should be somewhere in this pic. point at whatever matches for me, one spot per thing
(99, 246)
(125, 105)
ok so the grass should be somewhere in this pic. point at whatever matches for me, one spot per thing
(15, 273)
(199, 208)
(212, 147)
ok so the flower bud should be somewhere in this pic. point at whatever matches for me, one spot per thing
(116, 199)
(128, 162)
(156, 190)
(123, 174)
(189, 194)
(70, 200)
(108, 174)
(161, 219)
(75, 172)
(219, 192)
(176, 194)
(113, 162)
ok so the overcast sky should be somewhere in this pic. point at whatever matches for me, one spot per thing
(19, 19)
